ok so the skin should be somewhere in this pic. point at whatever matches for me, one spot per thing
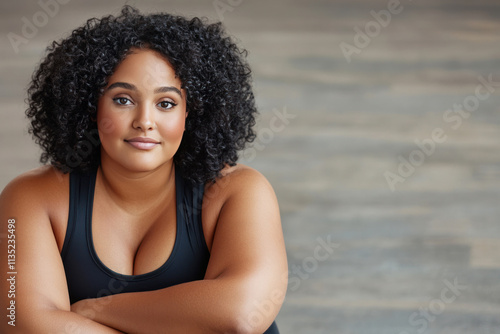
(134, 227)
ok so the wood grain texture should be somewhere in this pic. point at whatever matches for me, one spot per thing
(329, 132)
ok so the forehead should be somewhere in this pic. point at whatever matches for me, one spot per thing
(145, 68)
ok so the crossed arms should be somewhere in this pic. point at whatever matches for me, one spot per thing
(242, 291)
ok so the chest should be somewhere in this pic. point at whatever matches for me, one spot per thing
(133, 244)
(107, 251)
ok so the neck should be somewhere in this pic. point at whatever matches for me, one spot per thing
(137, 191)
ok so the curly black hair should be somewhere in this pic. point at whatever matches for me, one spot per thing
(65, 89)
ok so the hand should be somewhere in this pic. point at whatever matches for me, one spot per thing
(86, 307)
(89, 308)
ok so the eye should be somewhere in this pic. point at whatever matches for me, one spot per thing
(122, 101)
(166, 104)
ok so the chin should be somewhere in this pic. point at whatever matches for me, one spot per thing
(140, 164)
(137, 163)
(140, 167)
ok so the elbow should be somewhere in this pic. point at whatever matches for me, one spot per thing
(251, 309)
(242, 326)
(253, 320)
(240, 319)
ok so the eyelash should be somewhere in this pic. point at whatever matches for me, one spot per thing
(119, 100)
(169, 102)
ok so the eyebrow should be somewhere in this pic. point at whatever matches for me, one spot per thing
(126, 85)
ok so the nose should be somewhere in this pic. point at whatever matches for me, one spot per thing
(144, 118)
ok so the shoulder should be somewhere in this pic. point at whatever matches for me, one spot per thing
(41, 186)
(42, 179)
(238, 180)
(240, 189)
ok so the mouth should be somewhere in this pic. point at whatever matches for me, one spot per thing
(142, 143)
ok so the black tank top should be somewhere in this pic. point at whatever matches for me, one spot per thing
(88, 277)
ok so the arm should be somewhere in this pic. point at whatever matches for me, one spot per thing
(245, 282)
(39, 292)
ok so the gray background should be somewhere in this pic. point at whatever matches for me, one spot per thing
(396, 249)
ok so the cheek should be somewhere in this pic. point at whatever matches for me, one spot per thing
(105, 124)
(174, 128)
(109, 124)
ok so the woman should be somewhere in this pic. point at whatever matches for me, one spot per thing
(143, 222)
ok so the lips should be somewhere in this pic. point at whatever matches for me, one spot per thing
(142, 143)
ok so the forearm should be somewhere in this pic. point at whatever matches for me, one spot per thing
(207, 306)
(58, 321)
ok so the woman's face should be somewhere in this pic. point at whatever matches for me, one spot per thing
(141, 113)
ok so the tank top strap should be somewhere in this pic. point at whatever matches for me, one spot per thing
(81, 195)
(191, 201)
